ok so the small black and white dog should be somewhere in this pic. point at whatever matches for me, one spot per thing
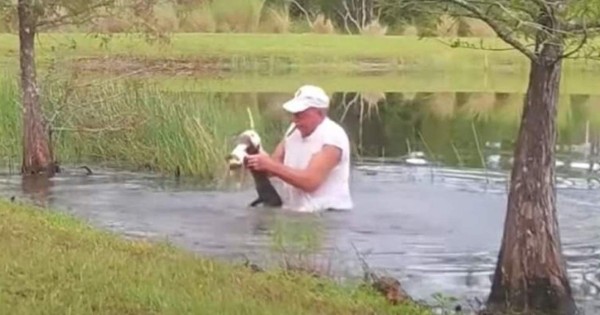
(249, 142)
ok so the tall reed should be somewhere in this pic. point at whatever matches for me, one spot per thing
(10, 124)
(137, 126)
(241, 16)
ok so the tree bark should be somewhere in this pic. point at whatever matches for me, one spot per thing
(37, 154)
(530, 274)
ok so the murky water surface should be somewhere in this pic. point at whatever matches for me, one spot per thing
(437, 229)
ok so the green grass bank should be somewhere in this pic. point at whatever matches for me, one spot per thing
(306, 52)
(55, 264)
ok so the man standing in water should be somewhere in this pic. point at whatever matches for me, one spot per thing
(313, 159)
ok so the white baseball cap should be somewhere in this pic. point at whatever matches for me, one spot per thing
(307, 96)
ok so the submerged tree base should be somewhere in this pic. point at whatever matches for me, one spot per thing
(54, 264)
(540, 294)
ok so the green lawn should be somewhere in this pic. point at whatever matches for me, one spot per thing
(305, 52)
(54, 264)
(317, 50)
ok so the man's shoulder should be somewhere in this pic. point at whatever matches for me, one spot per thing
(334, 134)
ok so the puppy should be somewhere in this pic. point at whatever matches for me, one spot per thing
(249, 142)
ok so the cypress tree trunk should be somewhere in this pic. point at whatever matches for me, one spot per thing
(530, 274)
(37, 154)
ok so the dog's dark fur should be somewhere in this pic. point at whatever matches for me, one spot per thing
(267, 194)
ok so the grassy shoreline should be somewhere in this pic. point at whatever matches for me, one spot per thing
(56, 264)
(307, 52)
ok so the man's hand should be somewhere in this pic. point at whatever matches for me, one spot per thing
(260, 162)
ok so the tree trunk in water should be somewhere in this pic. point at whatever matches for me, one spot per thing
(530, 273)
(37, 154)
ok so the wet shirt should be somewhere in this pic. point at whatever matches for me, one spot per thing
(334, 192)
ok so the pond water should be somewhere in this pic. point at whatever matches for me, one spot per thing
(429, 188)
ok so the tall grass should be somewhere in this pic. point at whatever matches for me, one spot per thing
(197, 19)
(10, 124)
(249, 16)
(160, 131)
(237, 15)
(275, 20)
(136, 126)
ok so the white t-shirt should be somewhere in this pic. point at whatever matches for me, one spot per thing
(334, 192)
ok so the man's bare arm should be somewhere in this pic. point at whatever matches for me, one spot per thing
(318, 169)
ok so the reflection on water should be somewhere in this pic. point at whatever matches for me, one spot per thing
(37, 188)
(460, 129)
(429, 188)
(452, 128)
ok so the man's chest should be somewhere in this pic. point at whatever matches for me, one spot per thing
(299, 151)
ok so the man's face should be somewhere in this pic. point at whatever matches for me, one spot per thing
(308, 120)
